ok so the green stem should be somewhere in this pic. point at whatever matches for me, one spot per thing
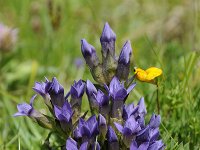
(157, 98)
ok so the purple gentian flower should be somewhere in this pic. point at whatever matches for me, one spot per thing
(151, 131)
(25, 109)
(155, 121)
(42, 89)
(140, 113)
(71, 144)
(89, 53)
(129, 110)
(56, 92)
(65, 113)
(118, 93)
(87, 129)
(76, 92)
(123, 67)
(147, 134)
(108, 38)
(77, 89)
(130, 129)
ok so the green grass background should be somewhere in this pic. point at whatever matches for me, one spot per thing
(163, 33)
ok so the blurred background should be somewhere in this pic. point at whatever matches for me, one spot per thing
(41, 38)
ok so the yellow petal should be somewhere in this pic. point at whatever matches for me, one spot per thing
(152, 73)
(141, 74)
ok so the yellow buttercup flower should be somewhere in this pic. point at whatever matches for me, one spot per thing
(147, 75)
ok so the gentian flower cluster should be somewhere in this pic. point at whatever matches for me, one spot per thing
(109, 123)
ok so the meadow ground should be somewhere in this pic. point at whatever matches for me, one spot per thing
(164, 34)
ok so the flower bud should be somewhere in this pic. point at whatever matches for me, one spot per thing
(123, 67)
(108, 38)
(89, 53)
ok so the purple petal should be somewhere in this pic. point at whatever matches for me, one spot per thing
(19, 114)
(84, 146)
(127, 131)
(71, 144)
(102, 99)
(101, 120)
(90, 88)
(95, 129)
(40, 88)
(24, 108)
(125, 55)
(67, 111)
(58, 113)
(77, 133)
(85, 131)
(132, 124)
(154, 134)
(56, 86)
(77, 89)
(129, 110)
(143, 135)
(142, 109)
(119, 127)
(91, 122)
(81, 122)
(107, 34)
(157, 145)
(32, 100)
(56, 93)
(87, 49)
(115, 85)
(141, 121)
(155, 121)
(130, 88)
(144, 146)
(111, 136)
(133, 145)
(120, 94)
(73, 92)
